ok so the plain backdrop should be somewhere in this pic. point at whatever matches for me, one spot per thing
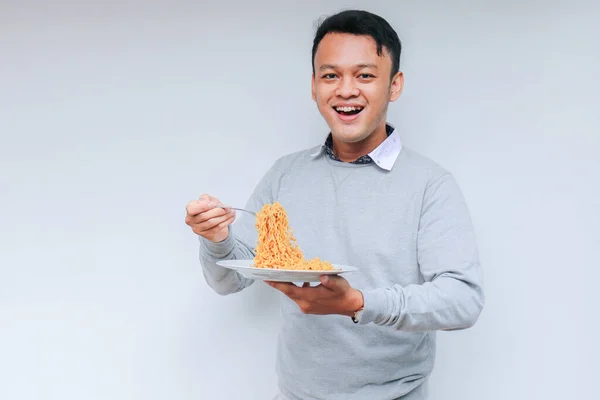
(113, 115)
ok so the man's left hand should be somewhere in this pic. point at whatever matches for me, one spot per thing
(333, 296)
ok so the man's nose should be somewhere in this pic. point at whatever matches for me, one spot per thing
(347, 88)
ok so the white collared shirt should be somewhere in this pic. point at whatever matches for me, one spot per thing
(385, 154)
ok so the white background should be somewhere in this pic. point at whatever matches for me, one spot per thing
(113, 115)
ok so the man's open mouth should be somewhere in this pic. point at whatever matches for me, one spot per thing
(348, 110)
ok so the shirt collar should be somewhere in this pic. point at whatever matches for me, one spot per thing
(384, 155)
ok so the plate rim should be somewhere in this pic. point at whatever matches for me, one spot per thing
(345, 268)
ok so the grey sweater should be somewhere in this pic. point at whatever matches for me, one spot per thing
(409, 233)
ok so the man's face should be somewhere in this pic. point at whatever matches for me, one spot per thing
(352, 85)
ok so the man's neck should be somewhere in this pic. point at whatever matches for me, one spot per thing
(348, 152)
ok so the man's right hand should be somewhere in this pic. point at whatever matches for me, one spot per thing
(208, 220)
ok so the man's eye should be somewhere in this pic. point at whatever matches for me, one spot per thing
(366, 76)
(328, 76)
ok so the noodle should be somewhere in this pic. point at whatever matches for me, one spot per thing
(277, 247)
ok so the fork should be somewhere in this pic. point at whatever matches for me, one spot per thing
(238, 209)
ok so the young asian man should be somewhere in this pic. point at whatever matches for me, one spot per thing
(361, 198)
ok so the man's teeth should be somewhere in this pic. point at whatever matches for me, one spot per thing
(348, 109)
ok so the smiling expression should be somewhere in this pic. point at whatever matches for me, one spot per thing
(353, 86)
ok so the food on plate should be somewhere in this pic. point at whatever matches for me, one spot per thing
(277, 247)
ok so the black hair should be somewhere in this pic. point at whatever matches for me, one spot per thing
(359, 22)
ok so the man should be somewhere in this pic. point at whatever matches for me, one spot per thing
(360, 199)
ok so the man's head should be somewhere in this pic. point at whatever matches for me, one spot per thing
(355, 61)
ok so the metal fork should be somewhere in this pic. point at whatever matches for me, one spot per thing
(238, 209)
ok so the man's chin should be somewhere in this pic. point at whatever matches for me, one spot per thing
(349, 135)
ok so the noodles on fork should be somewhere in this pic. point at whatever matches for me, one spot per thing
(277, 247)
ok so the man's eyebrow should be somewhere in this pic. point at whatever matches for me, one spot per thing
(359, 66)
(326, 66)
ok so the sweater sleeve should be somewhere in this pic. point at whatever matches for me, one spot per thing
(451, 296)
(240, 242)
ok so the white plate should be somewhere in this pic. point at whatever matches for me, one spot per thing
(246, 268)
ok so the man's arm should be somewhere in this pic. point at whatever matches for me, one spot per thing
(452, 295)
(222, 280)
(239, 243)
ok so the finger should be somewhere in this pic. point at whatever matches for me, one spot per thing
(333, 282)
(277, 285)
(304, 306)
(216, 223)
(204, 203)
(286, 288)
(205, 216)
(213, 200)
(204, 222)
(306, 284)
(226, 223)
(196, 207)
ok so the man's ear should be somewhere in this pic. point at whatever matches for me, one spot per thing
(312, 88)
(396, 86)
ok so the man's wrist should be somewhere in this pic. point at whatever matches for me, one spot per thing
(355, 303)
(218, 249)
